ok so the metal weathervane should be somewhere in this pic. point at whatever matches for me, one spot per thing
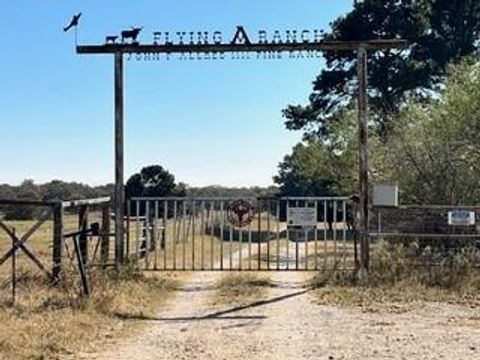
(240, 44)
(74, 24)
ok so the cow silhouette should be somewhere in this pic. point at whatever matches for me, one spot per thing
(111, 39)
(131, 34)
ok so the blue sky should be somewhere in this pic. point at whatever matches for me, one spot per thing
(208, 122)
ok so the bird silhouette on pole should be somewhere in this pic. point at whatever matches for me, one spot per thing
(73, 22)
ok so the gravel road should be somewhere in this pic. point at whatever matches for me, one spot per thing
(288, 324)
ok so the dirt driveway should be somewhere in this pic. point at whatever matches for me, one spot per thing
(287, 324)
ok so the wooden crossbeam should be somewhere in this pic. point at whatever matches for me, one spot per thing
(225, 48)
(19, 243)
(46, 215)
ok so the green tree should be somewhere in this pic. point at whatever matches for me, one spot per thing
(153, 181)
(438, 31)
(433, 152)
(26, 191)
(318, 168)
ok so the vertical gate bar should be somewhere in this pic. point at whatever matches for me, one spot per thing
(287, 206)
(231, 245)
(129, 210)
(212, 235)
(240, 241)
(307, 233)
(137, 229)
(165, 234)
(184, 245)
(259, 247)
(174, 234)
(268, 233)
(193, 233)
(156, 236)
(316, 235)
(203, 235)
(222, 222)
(250, 245)
(147, 239)
(344, 233)
(334, 233)
(296, 242)
(325, 235)
(277, 213)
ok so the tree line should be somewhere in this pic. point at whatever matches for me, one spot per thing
(154, 181)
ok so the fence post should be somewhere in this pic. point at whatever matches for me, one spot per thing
(58, 243)
(118, 200)
(83, 238)
(105, 238)
(363, 152)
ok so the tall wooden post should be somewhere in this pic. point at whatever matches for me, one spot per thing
(105, 237)
(119, 160)
(83, 238)
(363, 149)
(58, 243)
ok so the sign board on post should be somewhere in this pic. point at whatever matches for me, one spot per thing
(461, 218)
(305, 217)
(385, 195)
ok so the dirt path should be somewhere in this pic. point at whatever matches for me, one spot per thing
(288, 325)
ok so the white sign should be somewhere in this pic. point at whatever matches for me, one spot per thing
(385, 195)
(461, 218)
(304, 217)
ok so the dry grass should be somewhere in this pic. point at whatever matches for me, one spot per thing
(400, 275)
(241, 288)
(48, 321)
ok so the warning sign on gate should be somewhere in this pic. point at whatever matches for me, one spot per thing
(461, 218)
(302, 216)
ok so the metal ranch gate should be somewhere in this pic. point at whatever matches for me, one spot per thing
(249, 234)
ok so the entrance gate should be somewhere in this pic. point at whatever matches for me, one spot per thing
(207, 234)
(240, 44)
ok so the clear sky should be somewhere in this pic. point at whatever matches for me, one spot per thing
(208, 122)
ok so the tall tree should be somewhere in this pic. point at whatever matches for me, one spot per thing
(153, 181)
(438, 31)
(316, 168)
(433, 151)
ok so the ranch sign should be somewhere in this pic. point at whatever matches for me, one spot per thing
(206, 38)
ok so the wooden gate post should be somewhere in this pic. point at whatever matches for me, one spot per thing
(105, 237)
(83, 238)
(119, 161)
(58, 243)
(363, 150)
